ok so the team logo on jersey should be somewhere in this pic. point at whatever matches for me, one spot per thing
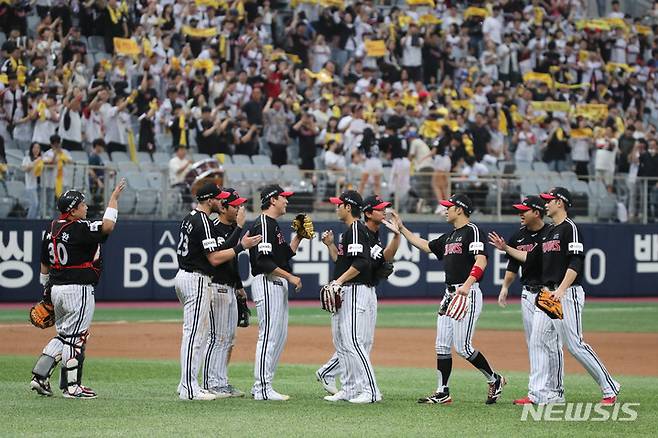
(527, 247)
(376, 252)
(452, 248)
(551, 246)
(65, 237)
(280, 238)
(220, 240)
(340, 249)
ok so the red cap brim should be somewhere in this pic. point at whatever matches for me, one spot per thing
(522, 207)
(237, 202)
(286, 194)
(381, 206)
(335, 200)
(446, 203)
(547, 196)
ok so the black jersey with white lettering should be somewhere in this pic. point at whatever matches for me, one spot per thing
(354, 250)
(195, 242)
(562, 248)
(376, 253)
(72, 251)
(227, 237)
(526, 240)
(273, 251)
(458, 249)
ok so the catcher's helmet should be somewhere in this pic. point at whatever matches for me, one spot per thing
(69, 200)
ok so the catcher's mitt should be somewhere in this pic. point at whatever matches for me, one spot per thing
(42, 314)
(549, 305)
(331, 297)
(243, 312)
(303, 226)
(384, 271)
(458, 307)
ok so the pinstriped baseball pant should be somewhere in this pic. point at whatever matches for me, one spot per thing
(74, 309)
(451, 332)
(570, 330)
(545, 383)
(270, 294)
(353, 330)
(192, 290)
(223, 319)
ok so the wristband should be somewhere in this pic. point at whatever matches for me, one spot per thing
(238, 248)
(43, 278)
(477, 272)
(111, 214)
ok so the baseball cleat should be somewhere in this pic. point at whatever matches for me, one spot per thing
(609, 401)
(79, 391)
(219, 392)
(522, 401)
(364, 398)
(272, 395)
(438, 398)
(495, 389)
(339, 396)
(203, 395)
(329, 385)
(233, 391)
(42, 387)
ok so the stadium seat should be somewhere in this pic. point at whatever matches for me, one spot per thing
(120, 156)
(80, 157)
(233, 176)
(147, 202)
(127, 167)
(137, 180)
(540, 167)
(199, 157)
(155, 179)
(6, 205)
(127, 200)
(242, 160)
(143, 157)
(96, 44)
(261, 160)
(523, 167)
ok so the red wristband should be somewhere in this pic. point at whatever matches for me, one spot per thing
(477, 272)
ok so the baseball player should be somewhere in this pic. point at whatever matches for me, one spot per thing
(270, 266)
(373, 212)
(562, 255)
(226, 284)
(541, 388)
(352, 325)
(464, 261)
(71, 267)
(198, 254)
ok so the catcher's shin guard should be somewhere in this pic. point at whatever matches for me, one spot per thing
(71, 371)
(44, 367)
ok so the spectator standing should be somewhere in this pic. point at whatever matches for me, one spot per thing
(604, 157)
(277, 120)
(305, 131)
(412, 56)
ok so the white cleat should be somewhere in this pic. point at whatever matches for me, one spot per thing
(273, 395)
(339, 396)
(203, 395)
(329, 385)
(365, 398)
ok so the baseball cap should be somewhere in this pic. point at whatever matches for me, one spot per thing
(375, 203)
(531, 203)
(231, 197)
(461, 201)
(209, 191)
(351, 197)
(558, 193)
(271, 191)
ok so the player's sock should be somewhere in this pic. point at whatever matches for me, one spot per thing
(443, 370)
(480, 362)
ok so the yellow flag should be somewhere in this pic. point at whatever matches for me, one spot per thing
(404, 20)
(475, 12)
(592, 111)
(431, 128)
(59, 178)
(220, 158)
(375, 48)
(147, 47)
(571, 86)
(208, 32)
(183, 134)
(502, 122)
(429, 19)
(612, 66)
(601, 25)
(126, 46)
(340, 4)
(294, 58)
(551, 106)
(132, 149)
(41, 109)
(466, 104)
(204, 64)
(581, 133)
(37, 170)
(420, 2)
(643, 30)
(539, 77)
(616, 23)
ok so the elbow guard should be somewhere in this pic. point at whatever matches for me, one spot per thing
(477, 272)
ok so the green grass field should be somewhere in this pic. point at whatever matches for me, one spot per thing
(607, 317)
(137, 397)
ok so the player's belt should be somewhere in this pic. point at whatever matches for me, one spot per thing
(190, 271)
(453, 287)
(357, 284)
(533, 289)
(222, 288)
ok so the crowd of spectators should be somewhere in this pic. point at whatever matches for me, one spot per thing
(429, 87)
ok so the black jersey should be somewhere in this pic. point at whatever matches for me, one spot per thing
(376, 253)
(526, 240)
(458, 249)
(72, 251)
(273, 251)
(227, 237)
(195, 242)
(561, 248)
(354, 250)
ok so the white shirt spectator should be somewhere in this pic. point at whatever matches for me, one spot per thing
(176, 177)
(420, 154)
(412, 55)
(492, 28)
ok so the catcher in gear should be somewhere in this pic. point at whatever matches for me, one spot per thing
(303, 226)
(70, 265)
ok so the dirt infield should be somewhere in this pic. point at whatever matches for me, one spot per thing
(623, 353)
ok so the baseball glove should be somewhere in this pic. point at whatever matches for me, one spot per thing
(243, 312)
(384, 271)
(549, 305)
(303, 226)
(42, 314)
(458, 307)
(331, 297)
(445, 302)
